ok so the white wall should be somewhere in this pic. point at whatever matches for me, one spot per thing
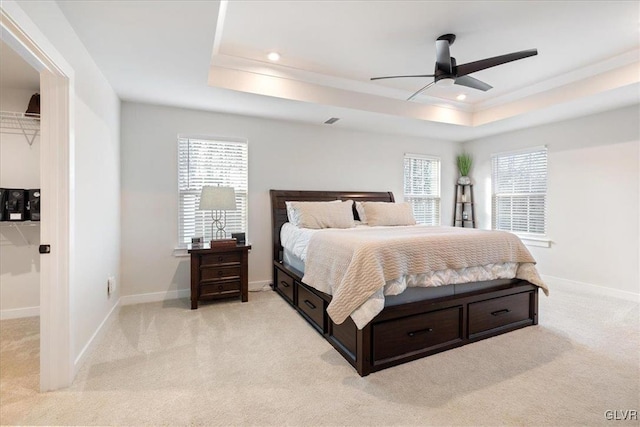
(593, 195)
(19, 259)
(95, 185)
(282, 155)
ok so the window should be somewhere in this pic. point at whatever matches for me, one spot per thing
(210, 161)
(422, 187)
(520, 191)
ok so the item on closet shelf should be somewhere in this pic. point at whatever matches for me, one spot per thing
(33, 204)
(15, 205)
(34, 106)
(4, 193)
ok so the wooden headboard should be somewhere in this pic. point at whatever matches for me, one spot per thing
(279, 210)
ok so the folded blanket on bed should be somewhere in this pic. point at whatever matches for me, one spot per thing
(353, 265)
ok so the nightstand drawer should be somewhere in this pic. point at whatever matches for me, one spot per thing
(219, 272)
(284, 283)
(311, 305)
(220, 258)
(499, 312)
(230, 287)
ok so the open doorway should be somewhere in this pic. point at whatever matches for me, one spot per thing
(19, 221)
(19, 33)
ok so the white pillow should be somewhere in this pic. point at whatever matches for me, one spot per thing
(361, 214)
(383, 213)
(292, 214)
(334, 214)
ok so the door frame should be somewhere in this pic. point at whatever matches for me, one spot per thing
(56, 172)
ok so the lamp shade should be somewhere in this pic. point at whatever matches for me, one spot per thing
(217, 198)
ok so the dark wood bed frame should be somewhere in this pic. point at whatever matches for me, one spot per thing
(403, 332)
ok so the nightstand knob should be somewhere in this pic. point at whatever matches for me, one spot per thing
(220, 259)
(220, 272)
(219, 287)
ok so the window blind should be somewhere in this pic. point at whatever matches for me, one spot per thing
(520, 191)
(203, 162)
(422, 187)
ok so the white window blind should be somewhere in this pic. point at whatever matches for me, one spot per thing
(201, 162)
(520, 191)
(422, 187)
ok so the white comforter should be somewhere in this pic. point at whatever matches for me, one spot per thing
(326, 270)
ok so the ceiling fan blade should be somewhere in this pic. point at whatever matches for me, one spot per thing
(469, 81)
(443, 56)
(420, 91)
(472, 67)
(401, 77)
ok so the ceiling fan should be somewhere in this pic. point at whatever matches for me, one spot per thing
(447, 72)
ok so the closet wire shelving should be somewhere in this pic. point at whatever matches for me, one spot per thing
(21, 124)
(17, 226)
(15, 123)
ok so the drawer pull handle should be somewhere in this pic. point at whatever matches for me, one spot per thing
(220, 258)
(220, 272)
(220, 287)
(283, 283)
(499, 312)
(421, 331)
(310, 304)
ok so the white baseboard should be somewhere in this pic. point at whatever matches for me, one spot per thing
(575, 286)
(95, 338)
(259, 285)
(16, 313)
(155, 297)
(256, 286)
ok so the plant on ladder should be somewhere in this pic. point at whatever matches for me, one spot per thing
(464, 162)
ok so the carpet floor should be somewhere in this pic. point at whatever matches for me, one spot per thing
(229, 363)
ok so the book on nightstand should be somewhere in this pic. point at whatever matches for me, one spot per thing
(216, 243)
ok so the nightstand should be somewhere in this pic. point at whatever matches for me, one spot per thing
(219, 272)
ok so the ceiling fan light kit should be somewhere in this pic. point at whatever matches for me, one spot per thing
(445, 81)
(447, 72)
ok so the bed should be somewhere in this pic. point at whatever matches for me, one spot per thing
(415, 323)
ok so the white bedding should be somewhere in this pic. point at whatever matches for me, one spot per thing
(296, 240)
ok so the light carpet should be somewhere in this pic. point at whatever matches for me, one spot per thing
(260, 363)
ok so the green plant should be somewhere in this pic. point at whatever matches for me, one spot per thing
(464, 163)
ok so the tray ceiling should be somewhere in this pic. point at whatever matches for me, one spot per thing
(214, 57)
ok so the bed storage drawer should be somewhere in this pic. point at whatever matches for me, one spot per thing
(498, 313)
(311, 305)
(284, 283)
(417, 334)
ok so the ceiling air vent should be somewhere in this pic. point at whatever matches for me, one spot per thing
(331, 121)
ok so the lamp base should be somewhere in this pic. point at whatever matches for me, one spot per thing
(222, 242)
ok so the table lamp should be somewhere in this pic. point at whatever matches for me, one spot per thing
(218, 200)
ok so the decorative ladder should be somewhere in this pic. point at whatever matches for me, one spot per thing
(464, 210)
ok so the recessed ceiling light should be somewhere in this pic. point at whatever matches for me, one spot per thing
(461, 97)
(273, 56)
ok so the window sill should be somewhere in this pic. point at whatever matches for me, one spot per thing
(180, 252)
(539, 242)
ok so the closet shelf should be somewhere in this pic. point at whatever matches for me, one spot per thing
(18, 224)
(20, 124)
